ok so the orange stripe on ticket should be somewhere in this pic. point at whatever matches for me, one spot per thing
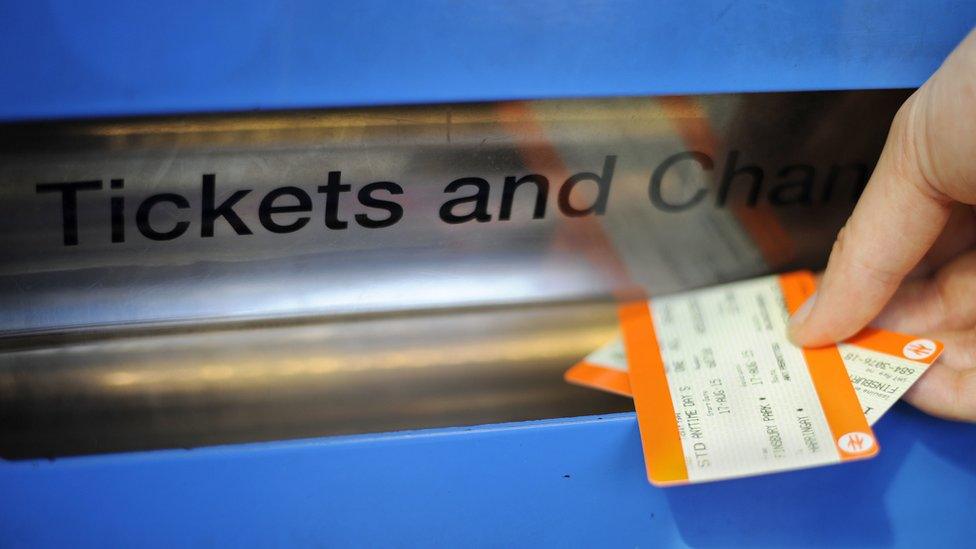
(592, 375)
(851, 433)
(922, 350)
(663, 453)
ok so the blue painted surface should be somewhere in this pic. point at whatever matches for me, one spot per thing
(577, 482)
(95, 58)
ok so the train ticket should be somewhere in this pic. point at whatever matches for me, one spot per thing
(720, 391)
(882, 365)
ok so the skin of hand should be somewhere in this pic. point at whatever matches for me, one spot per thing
(906, 259)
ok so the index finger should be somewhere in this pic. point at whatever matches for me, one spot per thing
(895, 222)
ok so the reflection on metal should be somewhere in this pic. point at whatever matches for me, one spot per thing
(185, 388)
(122, 341)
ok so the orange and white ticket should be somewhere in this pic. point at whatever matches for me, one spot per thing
(882, 366)
(721, 392)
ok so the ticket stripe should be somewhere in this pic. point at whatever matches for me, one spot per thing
(582, 374)
(594, 375)
(664, 456)
(837, 396)
(892, 343)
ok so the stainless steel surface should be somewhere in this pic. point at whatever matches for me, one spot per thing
(201, 339)
(61, 395)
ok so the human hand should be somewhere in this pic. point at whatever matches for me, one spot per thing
(906, 258)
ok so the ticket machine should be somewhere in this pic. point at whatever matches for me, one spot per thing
(306, 276)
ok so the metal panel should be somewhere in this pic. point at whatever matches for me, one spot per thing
(120, 340)
(271, 381)
(419, 262)
(82, 59)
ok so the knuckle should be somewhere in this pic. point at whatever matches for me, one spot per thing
(968, 344)
(876, 273)
(912, 144)
(965, 395)
(942, 286)
(852, 256)
(840, 244)
(962, 393)
(951, 289)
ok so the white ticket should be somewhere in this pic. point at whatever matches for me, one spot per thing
(879, 378)
(721, 392)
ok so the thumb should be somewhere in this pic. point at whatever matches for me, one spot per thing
(905, 204)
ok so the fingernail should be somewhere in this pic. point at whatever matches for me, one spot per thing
(801, 314)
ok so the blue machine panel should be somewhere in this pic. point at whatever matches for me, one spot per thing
(576, 482)
(82, 59)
